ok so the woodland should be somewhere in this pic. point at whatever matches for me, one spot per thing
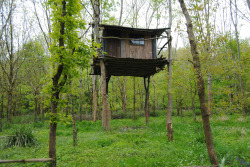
(52, 110)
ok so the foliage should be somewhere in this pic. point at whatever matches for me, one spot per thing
(134, 144)
(21, 137)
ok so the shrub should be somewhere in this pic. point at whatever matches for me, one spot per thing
(23, 137)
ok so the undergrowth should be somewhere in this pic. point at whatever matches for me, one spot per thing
(135, 144)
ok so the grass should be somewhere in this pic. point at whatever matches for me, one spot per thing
(135, 144)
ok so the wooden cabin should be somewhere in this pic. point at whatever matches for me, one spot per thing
(129, 51)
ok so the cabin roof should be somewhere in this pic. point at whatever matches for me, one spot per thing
(156, 32)
(129, 66)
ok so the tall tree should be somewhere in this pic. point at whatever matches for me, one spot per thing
(200, 85)
(170, 98)
(235, 23)
(67, 51)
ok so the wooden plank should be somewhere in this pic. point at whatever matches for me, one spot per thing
(123, 48)
(27, 160)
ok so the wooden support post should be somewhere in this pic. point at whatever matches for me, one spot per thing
(134, 102)
(146, 85)
(94, 96)
(104, 85)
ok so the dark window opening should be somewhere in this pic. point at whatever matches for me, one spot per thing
(137, 39)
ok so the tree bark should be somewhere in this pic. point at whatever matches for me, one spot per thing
(170, 98)
(200, 86)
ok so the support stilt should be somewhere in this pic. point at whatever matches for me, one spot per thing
(104, 91)
(146, 85)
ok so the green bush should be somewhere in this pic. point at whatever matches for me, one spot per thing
(22, 137)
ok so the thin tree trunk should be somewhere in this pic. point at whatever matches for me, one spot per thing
(169, 126)
(42, 109)
(134, 101)
(36, 105)
(209, 92)
(146, 85)
(122, 87)
(248, 4)
(200, 86)
(95, 36)
(9, 109)
(235, 23)
(121, 12)
(193, 105)
(1, 113)
(94, 97)
(154, 107)
(74, 121)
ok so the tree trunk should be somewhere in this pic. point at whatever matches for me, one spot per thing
(146, 85)
(248, 4)
(36, 106)
(170, 98)
(200, 86)
(42, 108)
(122, 87)
(154, 106)
(53, 125)
(193, 105)
(121, 12)
(9, 109)
(96, 10)
(209, 92)
(94, 97)
(1, 113)
(134, 102)
(235, 23)
(105, 110)
(74, 121)
(57, 86)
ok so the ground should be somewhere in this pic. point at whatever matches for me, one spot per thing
(135, 144)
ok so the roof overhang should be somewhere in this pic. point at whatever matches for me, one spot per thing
(156, 32)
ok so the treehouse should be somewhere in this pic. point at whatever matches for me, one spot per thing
(129, 52)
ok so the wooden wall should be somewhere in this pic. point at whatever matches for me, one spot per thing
(121, 48)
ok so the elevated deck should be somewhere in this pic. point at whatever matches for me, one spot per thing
(128, 66)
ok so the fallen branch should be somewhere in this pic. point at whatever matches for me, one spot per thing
(27, 160)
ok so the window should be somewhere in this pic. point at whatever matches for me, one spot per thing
(137, 39)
